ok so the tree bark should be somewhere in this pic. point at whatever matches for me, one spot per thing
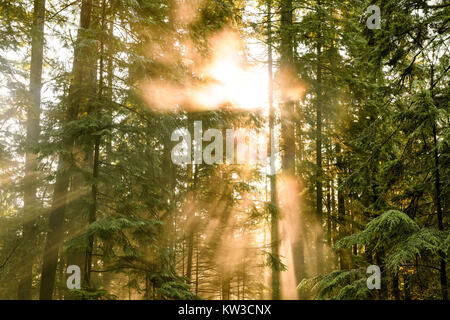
(96, 160)
(443, 264)
(56, 218)
(190, 256)
(299, 245)
(33, 131)
(319, 191)
(344, 254)
(395, 289)
(275, 279)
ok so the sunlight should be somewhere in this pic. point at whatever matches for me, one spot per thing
(239, 86)
(227, 80)
(235, 82)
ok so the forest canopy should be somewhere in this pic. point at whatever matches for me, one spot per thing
(234, 150)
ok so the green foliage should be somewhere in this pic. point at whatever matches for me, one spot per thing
(382, 232)
(115, 229)
(93, 294)
(275, 262)
(337, 285)
(425, 242)
(177, 290)
(399, 237)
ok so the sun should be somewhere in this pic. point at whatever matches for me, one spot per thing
(241, 86)
(227, 80)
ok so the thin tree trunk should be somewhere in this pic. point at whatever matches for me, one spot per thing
(191, 230)
(286, 69)
(33, 131)
(344, 254)
(190, 255)
(406, 287)
(226, 281)
(196, 266)
(107, 277)
(97, 142)
(443, 264)
(298, 248)
(273, 202)
(319, 191)
(395, 289)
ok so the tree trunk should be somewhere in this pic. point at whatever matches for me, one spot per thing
(344, 254)
(97, 142)
(33, 131)
(190, 255)
(299, 246)
(437, 183)
(319, 191)
(395, 289)
(56, 218)
(286, 70)
(273, 202)
(443, 264)
(197, 266)
(226, 286)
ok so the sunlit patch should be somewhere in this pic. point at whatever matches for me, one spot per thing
(238, 82)
(289, 231)
(187, 11)
(225, 79)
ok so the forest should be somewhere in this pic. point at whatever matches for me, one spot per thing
(224, 149)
